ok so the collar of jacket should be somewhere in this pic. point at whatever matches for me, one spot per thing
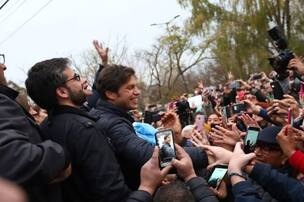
(9, 92)
(64, 109)
(105, 106)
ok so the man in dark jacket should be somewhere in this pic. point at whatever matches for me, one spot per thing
(96, 175)
(25, 158)
(117, 86)
(268, 151)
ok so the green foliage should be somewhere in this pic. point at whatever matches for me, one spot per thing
(241, 43)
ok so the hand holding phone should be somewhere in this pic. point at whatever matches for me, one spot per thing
(165, 142)
(218, 173)
(238, 108)
(290, 117)
(250, 139)
(277, 90)
(183, 164)
(150, 174)
(199, 122)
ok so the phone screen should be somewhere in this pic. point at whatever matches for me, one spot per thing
(251, 137)
(238, 108)
(199, 122)
(165, 142)
(217, 176)
(225, 114)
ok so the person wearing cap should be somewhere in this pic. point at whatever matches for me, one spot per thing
(268, 149)
(269, 155)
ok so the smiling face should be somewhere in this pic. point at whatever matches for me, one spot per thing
(77, 88)
(127, 95)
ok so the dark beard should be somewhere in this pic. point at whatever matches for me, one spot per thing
(78, 98)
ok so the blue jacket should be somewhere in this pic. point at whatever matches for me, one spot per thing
(243, 191)
(132, 152)
(279, 185)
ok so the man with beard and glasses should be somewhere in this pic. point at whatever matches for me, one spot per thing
(96, 175)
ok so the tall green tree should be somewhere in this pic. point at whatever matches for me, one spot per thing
(241, 44)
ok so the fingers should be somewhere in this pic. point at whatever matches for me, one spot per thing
(195, 140)
(195, 144)
(210, 166)
(238, 147)
(180, 152)
(216, 136)
(165, 170)
(221, 129)
(283, 131)
(96, 44)
(207, 147)
(155, 154)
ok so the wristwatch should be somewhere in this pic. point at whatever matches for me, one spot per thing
(236, 174)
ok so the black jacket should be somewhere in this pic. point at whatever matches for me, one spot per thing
(200, 190)
(96, 175)
(25, 159)
(132, 152)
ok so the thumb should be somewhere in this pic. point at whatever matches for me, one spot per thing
(249, 157)
(165, 170)
(176, 163)
(210, 166)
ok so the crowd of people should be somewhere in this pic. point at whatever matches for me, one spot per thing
(82, 143)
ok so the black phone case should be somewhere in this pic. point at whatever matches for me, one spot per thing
(277, 90)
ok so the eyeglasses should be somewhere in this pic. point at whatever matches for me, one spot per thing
(76, 77)
(267, 149)
(2, 59)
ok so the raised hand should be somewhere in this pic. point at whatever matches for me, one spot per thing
(219, 154)
(297, 65)
(239, 159)
(103, 53)
(249, 121)
(170, 120)
(287, 141)
(221, 135)
(199, 139)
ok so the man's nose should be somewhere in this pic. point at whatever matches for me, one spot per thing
(137, 91)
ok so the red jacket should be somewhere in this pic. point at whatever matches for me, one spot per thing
(297, 161)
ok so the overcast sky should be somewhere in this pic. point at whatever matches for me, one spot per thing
(67, 27)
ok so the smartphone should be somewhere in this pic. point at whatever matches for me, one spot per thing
(238, 108)
(199, 122)
(256, 77)
(218, 173)
(225, 114)
(250, 139)
(165, 141)
(277, 90)
(290, 117)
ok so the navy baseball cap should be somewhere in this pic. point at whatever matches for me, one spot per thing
(268, 135)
